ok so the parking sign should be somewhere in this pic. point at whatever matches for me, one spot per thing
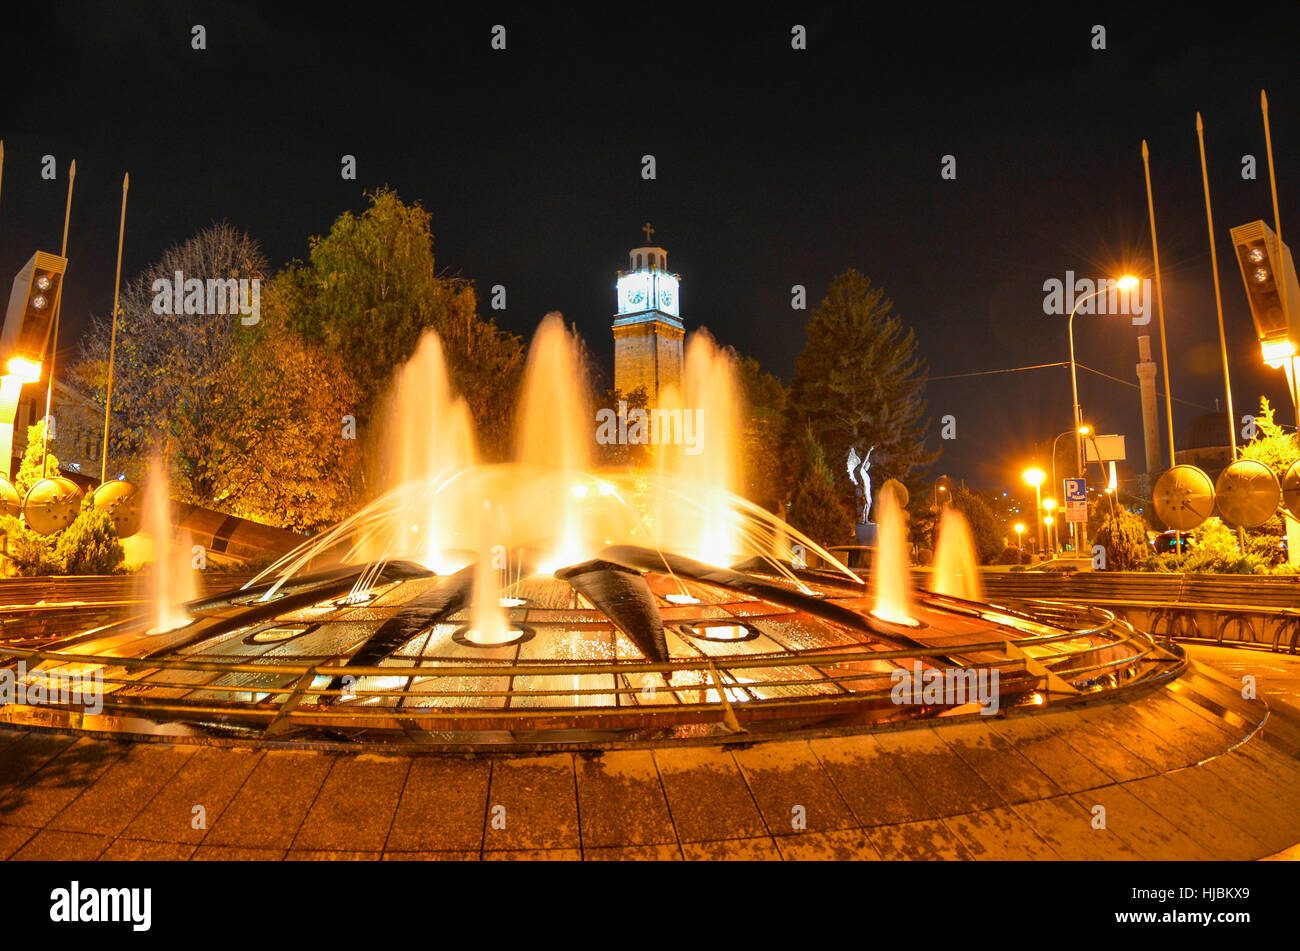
(1076, 500)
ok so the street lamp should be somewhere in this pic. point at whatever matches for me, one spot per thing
(1034, 476)
(1020, 535)
(1125, 283)
(1083, 430)
(1049, 505)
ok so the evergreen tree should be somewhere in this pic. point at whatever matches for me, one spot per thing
(816, 509)
(859, 383)
(767, 470)
(984, 530)
(30, 470)
(1123, 536)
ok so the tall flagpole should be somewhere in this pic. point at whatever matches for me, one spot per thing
(1277, 230)
(54, 337)
(1160, 302)
(1218, 304)
(1218, 298)
(112, 340)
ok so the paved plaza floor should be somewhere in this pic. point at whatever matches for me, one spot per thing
(1188, 771)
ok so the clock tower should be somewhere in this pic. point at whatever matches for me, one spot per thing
(648, 328)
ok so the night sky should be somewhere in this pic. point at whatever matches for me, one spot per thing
(775, 168)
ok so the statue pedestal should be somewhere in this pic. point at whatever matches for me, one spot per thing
(865, 533)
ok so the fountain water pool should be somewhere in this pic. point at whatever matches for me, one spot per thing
(540, 595)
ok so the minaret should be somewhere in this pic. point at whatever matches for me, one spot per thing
(1146, 372)
(648, 328)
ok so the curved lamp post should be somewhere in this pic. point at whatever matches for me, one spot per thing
(1125, 283)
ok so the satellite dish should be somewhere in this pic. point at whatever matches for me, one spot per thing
(10, 503)
(51, 505)
(121, 500)
(1291, 490)
(1248, 493)
(1184, 497)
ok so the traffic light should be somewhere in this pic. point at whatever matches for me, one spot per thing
(30, 315)
(1262, 258)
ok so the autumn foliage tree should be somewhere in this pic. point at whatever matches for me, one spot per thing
(369, 291)
(248, 414)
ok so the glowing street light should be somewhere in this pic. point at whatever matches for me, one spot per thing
(1020, 535)
(1049, 505)
(1034, 476)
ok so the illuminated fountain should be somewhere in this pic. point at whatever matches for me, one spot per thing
(705, 418)
(891, 583)
(541, 599)
(427, 437)
(169, 581)
(956, 568)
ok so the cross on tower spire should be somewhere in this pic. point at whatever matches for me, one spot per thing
(648, 231)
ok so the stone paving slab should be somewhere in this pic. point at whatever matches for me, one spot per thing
(1165, 766)
(1207, 786)
(928, 840)
(195, 796)
(756, 849)
(791, 788)
(999, 835)
(1220, 836)
(341, 820)
(708, 796)
(945, 782)
(532, 805)
(1041, 742)
(1004, 768)
(869, 780)
(45, 793)
(110, 803)
(1067, 827)
(270, 806)
(622, 801)
(844, 845)
(442, 806)
(1150, 835)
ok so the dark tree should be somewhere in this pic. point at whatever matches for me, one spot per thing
(984, 530)
(859, 383)
(815, 508)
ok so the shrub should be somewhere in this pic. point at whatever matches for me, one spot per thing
(89, 546)
(31, 554)
(1123, 535)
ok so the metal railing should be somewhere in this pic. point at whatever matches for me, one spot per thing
(695, 690)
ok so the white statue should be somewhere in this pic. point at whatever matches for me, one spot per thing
(860, 467)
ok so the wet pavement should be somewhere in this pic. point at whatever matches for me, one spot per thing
(1189, 771)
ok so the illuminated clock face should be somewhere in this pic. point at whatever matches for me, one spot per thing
(666, 291)
(633, 292)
